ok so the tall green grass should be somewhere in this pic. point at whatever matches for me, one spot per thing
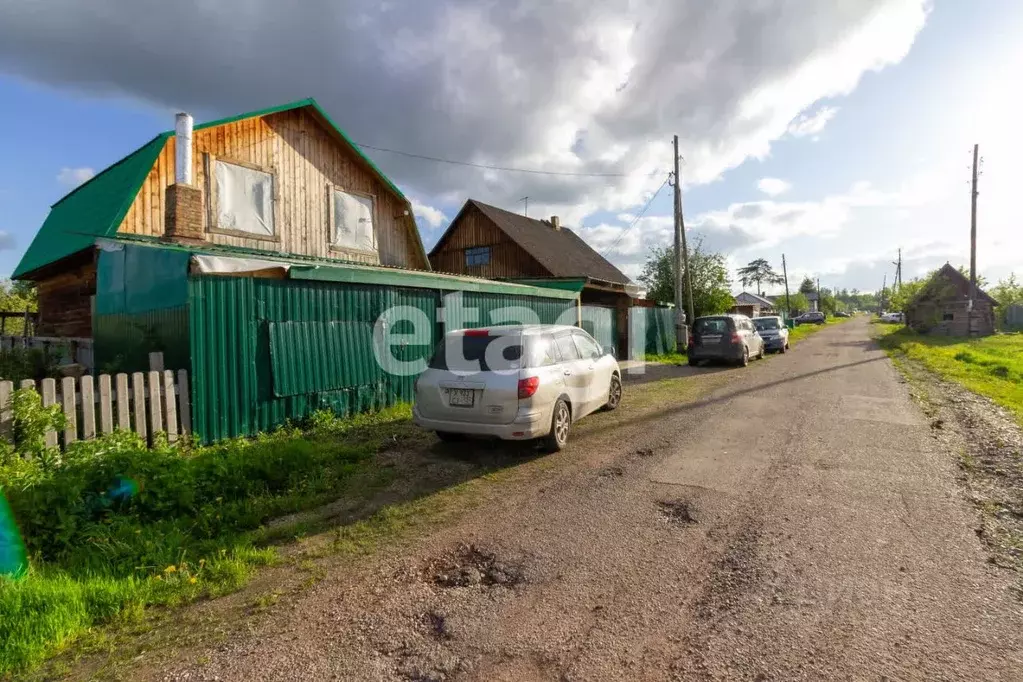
(188, 527)
(991, 366)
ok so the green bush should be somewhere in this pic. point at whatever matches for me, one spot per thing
(111, 526)
(37, 364)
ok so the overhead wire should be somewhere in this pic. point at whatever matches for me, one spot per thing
(635, 220)
(534, 171)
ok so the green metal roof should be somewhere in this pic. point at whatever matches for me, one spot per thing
(94, 209)
(307, 268)
(97, 207)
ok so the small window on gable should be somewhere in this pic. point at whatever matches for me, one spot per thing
(948, 317)
(352, 221)
(479, 255)
(244, 200)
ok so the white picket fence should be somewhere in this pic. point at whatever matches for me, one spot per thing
(151, 402)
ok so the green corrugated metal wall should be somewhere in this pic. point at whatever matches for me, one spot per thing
(548, 310)
(141, 307)
(265, 351)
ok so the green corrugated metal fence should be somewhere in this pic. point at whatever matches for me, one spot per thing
(470, 309)
(265, 351)
(601, 323)
(660, 329)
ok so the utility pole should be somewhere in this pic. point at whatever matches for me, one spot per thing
(880, 301)
(785, 273)
(525, 210)
(898, 272)
(820, 303)
(681, 262)
(973, 229)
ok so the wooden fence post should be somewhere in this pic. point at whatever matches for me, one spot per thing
(138, 390)
(170, 402)
(106, 412)
(184, 403)
(67, 390)
(6, 413)
(88, 408)
(154, 402)
(49, 398)
(123, 398)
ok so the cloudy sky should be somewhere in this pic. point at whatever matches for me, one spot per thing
(833, 131)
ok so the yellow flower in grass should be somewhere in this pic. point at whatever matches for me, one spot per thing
(158, 577)
(170, 569)
(192, 580)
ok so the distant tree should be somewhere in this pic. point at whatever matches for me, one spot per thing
(798, 304)
(708, 271)
(1007, 292)
(17, 297)
(808, 286)
(759, 271)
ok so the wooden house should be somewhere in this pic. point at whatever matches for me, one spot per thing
(486, 241)
(752, 305)
(284, 181)
(946, 305)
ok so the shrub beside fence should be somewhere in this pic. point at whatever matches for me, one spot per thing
(146, 403)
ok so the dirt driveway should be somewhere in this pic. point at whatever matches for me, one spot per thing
(800, 522)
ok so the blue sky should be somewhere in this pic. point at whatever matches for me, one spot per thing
(885, 170)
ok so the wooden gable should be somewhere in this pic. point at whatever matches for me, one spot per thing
(306, 158)
(471, 229)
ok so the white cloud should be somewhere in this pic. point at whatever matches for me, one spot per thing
(6, 240)
(811, 124)
(433, 217)
(590, 86)
(772, 187)
(73, 177)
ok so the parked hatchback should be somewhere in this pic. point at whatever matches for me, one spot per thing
(811, 318)
(515, 382)
(731, 338)
(774, 333)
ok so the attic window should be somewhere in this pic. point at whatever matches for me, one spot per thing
(948, 317)
(244, 197)
(352, 221)
(479, 255)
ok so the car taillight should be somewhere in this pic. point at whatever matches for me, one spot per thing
(477, 332)
(527, 387)
(692, 340)
(736, 338)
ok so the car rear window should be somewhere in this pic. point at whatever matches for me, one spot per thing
(471, 353)
(767, 323)
(711, 325)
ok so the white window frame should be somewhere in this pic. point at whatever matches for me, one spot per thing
(213, 209)
(340, 248)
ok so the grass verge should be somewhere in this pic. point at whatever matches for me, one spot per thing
(991, 366)
(667, 358)
(112, 528)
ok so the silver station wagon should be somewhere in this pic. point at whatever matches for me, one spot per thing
(515, 382)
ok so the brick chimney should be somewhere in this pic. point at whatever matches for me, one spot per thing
(184, 219)
(555, 222)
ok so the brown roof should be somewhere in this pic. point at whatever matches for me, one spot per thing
(562, 252)
(959, 279)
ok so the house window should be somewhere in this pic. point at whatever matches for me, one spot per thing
(948, 317)
(352, 221)
(479, 255)
(244, 199)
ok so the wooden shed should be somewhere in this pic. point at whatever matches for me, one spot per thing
(945, 307)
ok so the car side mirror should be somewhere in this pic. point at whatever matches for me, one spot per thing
(609, 349)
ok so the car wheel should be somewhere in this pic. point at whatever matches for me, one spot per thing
(614, 393)
(784, 347)
(561, 421)
(449, 437)
(760, 356)
(693, 362)
(744, 361)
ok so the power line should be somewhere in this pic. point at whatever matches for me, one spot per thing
(635, 220)
(534, 171)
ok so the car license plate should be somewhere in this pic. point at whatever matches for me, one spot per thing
(462, 397)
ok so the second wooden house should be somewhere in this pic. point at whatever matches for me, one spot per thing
(487, 241)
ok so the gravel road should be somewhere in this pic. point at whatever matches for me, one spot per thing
(800, 522)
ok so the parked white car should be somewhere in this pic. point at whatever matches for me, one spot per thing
(515, 382)
(895, 318)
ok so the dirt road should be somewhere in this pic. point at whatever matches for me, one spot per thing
(799, 523)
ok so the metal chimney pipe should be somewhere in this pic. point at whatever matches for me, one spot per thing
(555, 222)
(183, 149)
